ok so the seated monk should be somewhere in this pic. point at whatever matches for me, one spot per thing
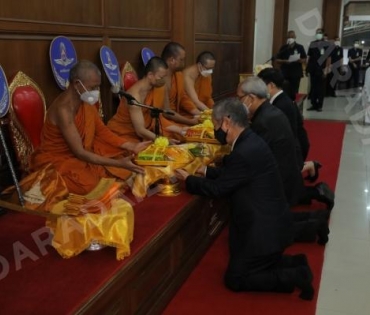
(135, 123)
(185, 110)
(198, 80)
(76, 142)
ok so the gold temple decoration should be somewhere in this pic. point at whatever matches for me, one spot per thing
(22, 143)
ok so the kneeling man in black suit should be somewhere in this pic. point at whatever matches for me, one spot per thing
(260, 223)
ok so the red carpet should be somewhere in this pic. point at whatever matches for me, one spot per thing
(204, 293)
(44, 283)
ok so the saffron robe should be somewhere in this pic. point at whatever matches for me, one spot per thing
(122, 125)
(179, 100)
(203, 88)
(79, 176)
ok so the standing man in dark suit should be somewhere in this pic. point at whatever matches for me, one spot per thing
(260, 225)
(354, 62)
(291, 57)
(317, 67)
(335, 68)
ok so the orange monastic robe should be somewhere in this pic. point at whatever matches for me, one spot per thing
(79, 176)
(203, 88)
(179, 100)
(122, 125)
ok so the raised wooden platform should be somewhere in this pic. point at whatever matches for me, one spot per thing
(171, 235)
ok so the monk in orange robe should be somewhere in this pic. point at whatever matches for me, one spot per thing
(186, 112)
(135, 123)
(76, 142)
(198, 80)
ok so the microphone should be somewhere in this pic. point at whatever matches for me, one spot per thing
(130, 99)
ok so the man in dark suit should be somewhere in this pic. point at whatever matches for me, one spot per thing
(354, 62)
(260, 225)
(271, 124)
(291, 57)
(335, 68)
(317, 67)
(274, 81)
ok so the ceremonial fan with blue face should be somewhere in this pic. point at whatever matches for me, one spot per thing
(62, 58)
(111, 67)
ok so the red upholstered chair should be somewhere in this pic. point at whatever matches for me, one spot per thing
(27, 115)
(128, 75)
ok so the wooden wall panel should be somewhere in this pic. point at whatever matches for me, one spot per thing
(225, 27)
(231, 17)
(281, 17)
(85, 12)
(332, 17)
(206, 14)
(140, 14)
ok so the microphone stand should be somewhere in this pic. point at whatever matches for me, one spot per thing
(154, 113)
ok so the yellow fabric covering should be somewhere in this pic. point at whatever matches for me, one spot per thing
(113, 227)
(100, 216)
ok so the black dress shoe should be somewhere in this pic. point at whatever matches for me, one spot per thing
(323, 233)
(325, 195)
(319, 109)
(304, 282)
(317, 165)
(312, 108)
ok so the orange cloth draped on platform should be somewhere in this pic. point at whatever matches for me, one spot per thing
(203, 88)
(179, 100)
(111, 227)
(121, 123)
(79, 176)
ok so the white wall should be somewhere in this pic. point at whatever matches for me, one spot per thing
(264, 28)
(305, 16)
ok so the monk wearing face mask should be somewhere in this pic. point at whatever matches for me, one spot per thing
(198, 80)
(80, 148)
(136, 123)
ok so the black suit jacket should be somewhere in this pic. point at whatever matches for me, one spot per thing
(291, 111)
(260, 217)
(273, 126)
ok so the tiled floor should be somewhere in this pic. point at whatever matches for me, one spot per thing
(345, 283)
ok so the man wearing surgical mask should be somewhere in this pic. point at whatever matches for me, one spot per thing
(198, 80)
(354, 62)
(335, 68)
(136, 123)
(318, 65)
(81, 149)
(291, 57)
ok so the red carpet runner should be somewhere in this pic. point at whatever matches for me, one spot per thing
(204, 293)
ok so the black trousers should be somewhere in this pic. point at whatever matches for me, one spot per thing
(317, 90)
(261, 274)
(330, 87)
(355, 77)
(294, 86)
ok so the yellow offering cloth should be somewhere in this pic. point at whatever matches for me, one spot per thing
(101, 216)
(114, 227)
(155, 173)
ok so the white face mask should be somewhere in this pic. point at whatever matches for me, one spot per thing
(206, 73)
(90, 97)
(319, 36)
(290, 41)
(337, 43)
(357, 45)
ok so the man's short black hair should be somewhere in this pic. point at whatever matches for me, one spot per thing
(172, 49)
(269, 75)
(154, 64)
(204, 56)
